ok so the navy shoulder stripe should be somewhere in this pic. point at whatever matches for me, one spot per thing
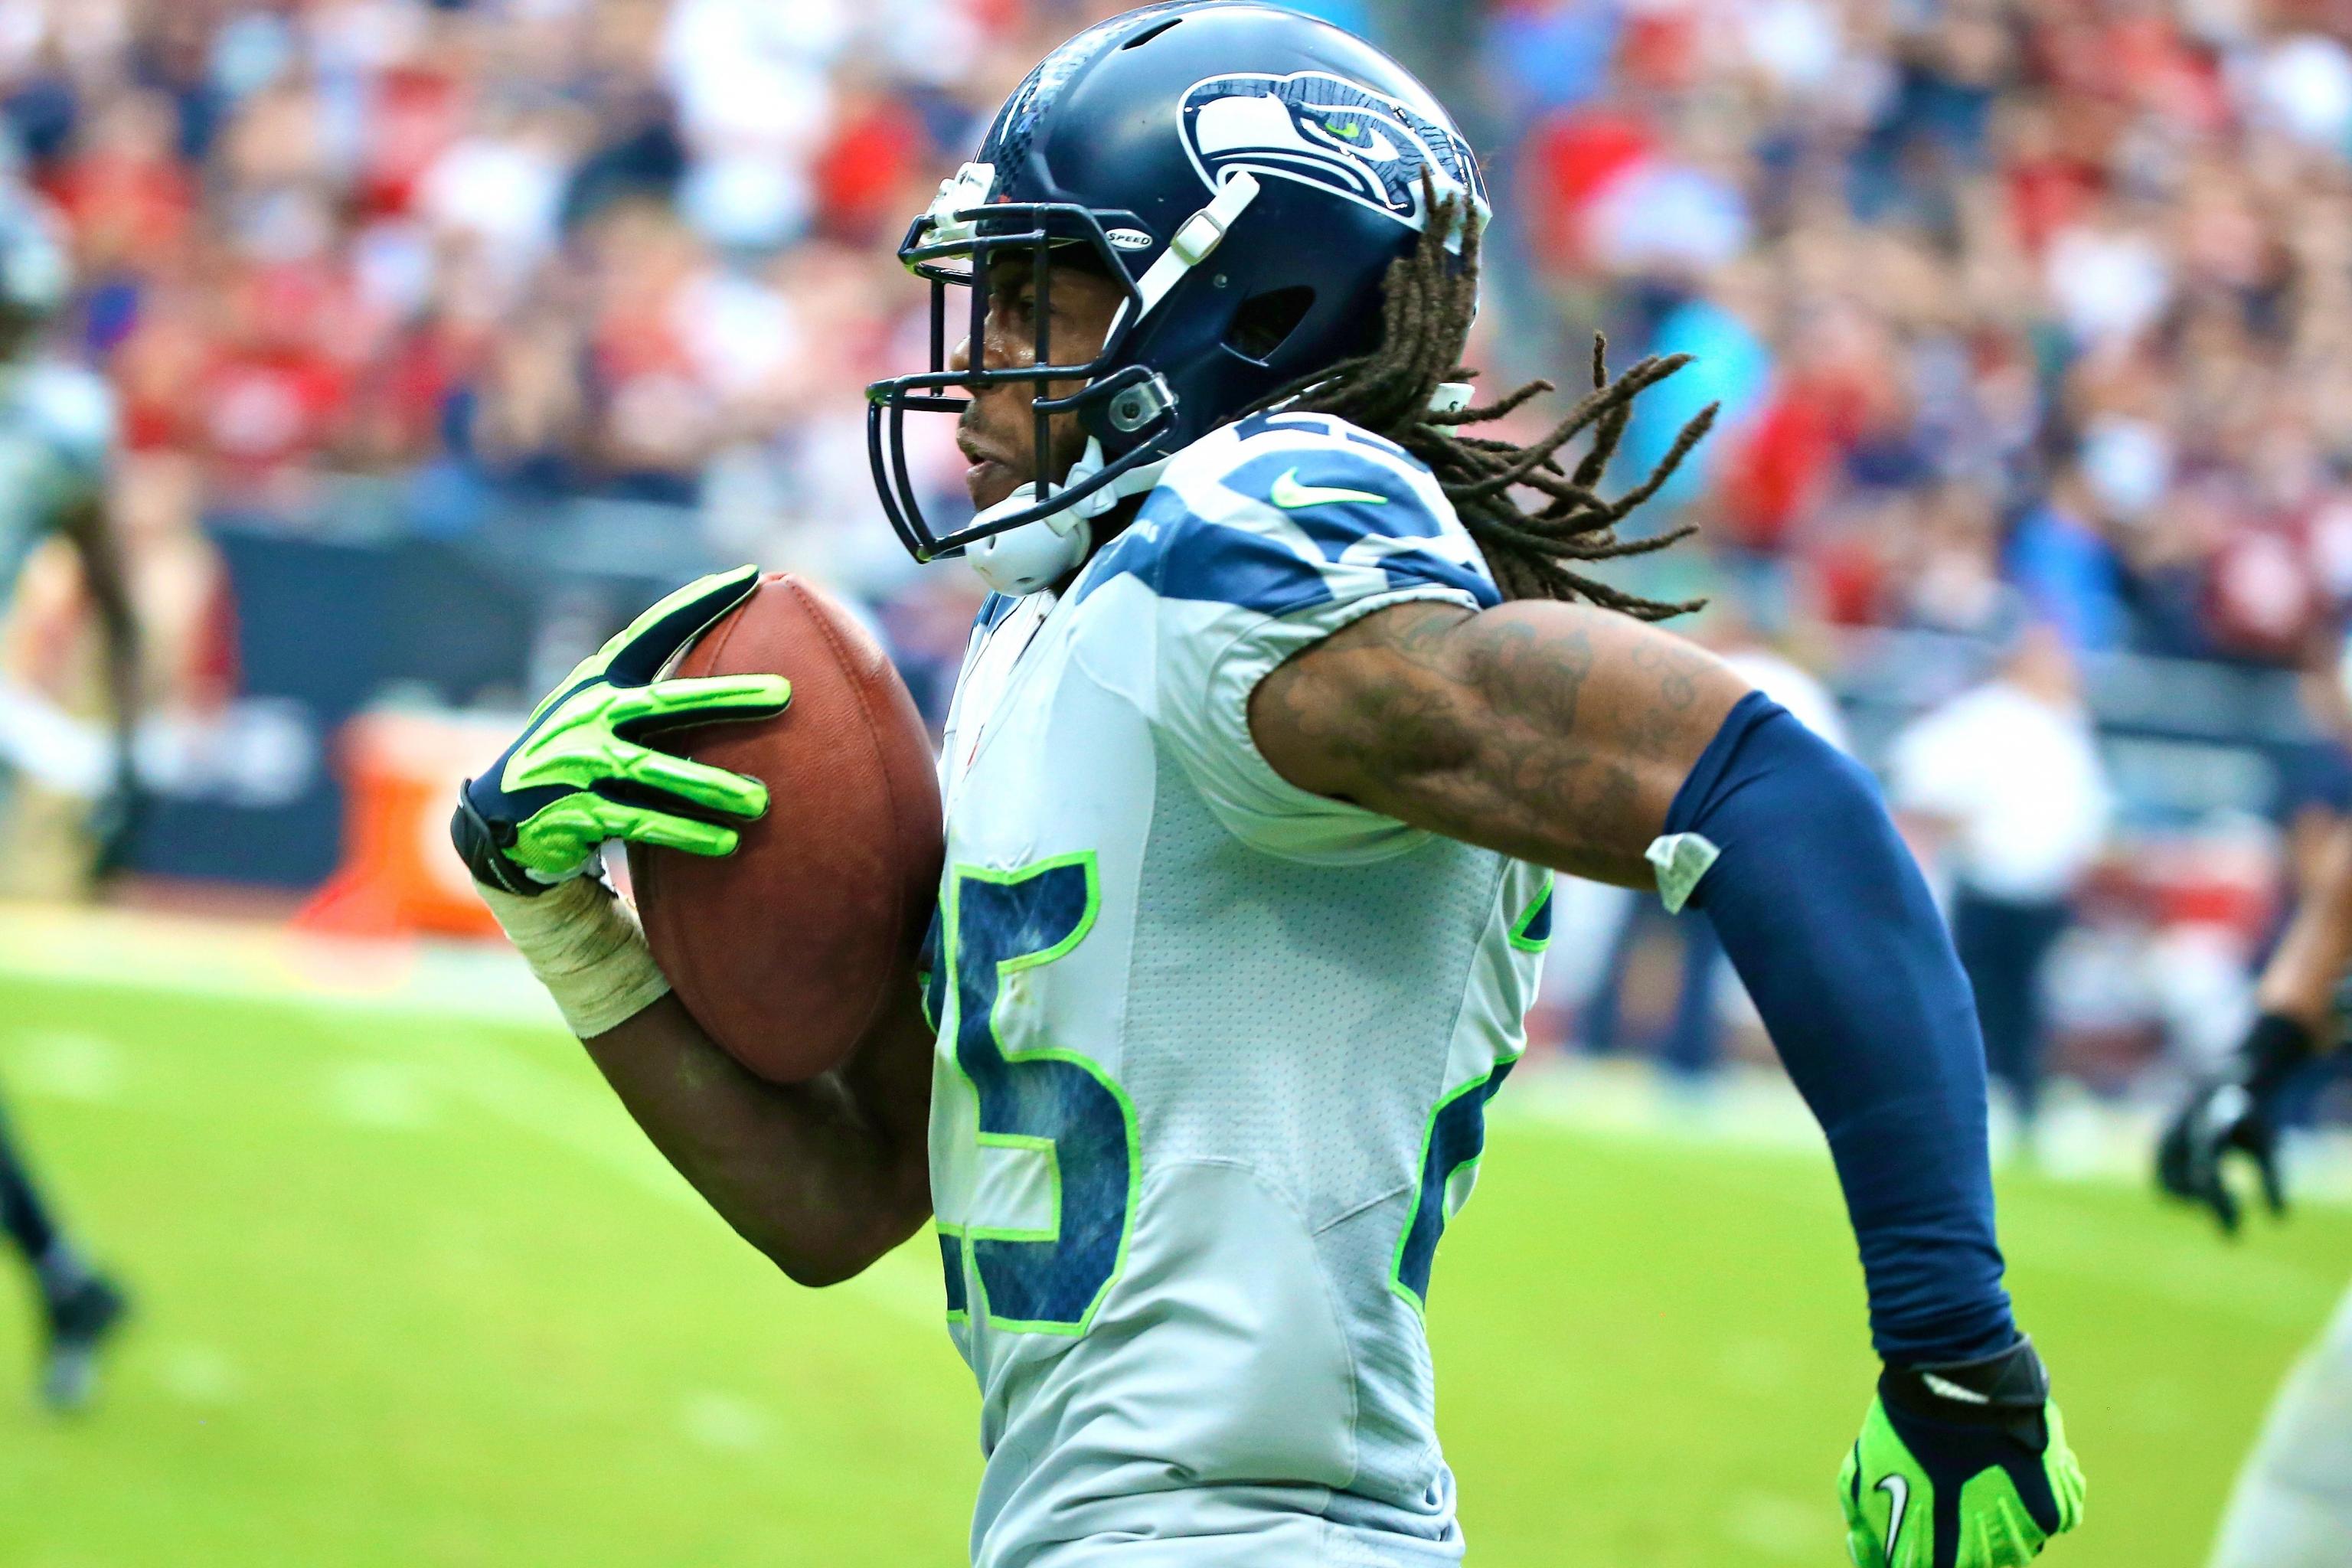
(1178, 556)
(1340, 499)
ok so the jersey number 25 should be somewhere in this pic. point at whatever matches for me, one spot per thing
(1056, 1104)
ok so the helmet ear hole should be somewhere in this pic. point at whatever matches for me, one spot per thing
(1265, 321)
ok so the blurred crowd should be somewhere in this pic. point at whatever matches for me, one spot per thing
(626, 248)
(2057, 294)
(2031, 321)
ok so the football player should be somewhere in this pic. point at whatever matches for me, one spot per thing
(56, 436)
(2293, 1505)
(80, 1307)
(1292, 696)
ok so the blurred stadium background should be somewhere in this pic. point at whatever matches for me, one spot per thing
(445, 335)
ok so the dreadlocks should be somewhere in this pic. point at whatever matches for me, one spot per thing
(1425, 317)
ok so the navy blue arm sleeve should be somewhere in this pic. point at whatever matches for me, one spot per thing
(1830, 924)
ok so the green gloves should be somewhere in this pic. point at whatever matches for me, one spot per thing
(1960, 1466)
(580, 772)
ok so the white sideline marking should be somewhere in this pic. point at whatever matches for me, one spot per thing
(200, 1375)
(724, 1423)
(379, 1094)
(1752, 1106)
(1759, 1110)
(1755, 1364)
(1775, 1525)
(340, 981)
(180, 956)
(64, 1064)
(495, 1077)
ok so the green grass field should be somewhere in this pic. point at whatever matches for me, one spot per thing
(413, 1293)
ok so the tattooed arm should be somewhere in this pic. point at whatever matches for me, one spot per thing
(1558, 733)
(1573, 737)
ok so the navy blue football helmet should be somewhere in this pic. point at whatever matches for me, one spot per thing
(1247, 174)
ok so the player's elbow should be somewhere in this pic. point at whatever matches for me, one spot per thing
(854, 1242)
(820, 1263)
(818, 1271)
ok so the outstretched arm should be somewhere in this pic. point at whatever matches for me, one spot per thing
(1582, 740)
(1578, 738)
(1549, 732)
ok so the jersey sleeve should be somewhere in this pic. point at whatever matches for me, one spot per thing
(1260, 542)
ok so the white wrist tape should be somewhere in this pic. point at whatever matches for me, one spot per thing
(585, 949)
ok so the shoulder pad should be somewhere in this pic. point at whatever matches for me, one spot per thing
(1323, 441)
(1284, 511)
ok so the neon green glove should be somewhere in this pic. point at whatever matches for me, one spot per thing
(1960, 1466)
(579, 774)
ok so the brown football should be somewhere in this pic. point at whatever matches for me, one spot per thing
(788, 949)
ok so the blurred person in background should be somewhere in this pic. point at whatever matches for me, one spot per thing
(2004, 791)
(2293, 1504)
(54, 644)
(2314, 775)
(80, 1307)
(55, 436)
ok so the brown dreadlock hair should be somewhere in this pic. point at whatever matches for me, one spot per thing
(1429, 300)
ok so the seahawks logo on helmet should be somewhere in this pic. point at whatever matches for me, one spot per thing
(1323, 130)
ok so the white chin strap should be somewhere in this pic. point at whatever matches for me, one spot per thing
(1040, 553)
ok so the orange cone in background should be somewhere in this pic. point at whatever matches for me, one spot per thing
(400, 770)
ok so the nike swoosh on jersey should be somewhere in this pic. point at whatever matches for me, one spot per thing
(1290, 495)
(1898, 1491)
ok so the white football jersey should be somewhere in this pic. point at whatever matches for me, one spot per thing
(57, 428)
(1213, 1052)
